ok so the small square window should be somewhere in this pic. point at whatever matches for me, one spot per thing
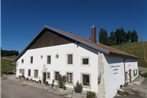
(85, 61)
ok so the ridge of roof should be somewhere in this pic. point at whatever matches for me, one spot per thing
(98, 46)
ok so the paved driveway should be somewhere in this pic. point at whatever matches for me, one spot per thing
(13, 89)
(140, 91)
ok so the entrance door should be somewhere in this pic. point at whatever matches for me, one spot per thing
(44, 77)
(22, 72)
(130, 75)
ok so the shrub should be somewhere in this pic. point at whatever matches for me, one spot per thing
(27, 79)
(19, 77)
(52, 85)
(90, 94)
(78, 88)
(46, 83)
(61, 81)
(122, 93)
(39, 81)
(144, 74)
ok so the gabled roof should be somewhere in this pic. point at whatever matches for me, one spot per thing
(98, 46)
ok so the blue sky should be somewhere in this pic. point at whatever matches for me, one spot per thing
(21, 20)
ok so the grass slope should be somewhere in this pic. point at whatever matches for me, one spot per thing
(137, 49)
(7, 66)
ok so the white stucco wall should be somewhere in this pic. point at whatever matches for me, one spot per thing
(113, 66)
(60, 64)
(114, 73)
(132, 65)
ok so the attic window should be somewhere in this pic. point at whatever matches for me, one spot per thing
(22, 60)
(85, 61)
(57, 56)
(31, 59)
(41, 56)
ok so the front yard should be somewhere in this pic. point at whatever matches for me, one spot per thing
(7, 66)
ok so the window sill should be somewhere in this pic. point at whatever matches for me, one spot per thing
(86, 86)
(70, 64)
(69, 83)
(85, 65)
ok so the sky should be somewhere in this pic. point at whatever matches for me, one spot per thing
(21, 20)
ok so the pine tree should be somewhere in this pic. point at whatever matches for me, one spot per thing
(103, 36)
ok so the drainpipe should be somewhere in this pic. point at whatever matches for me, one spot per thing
(124, 60)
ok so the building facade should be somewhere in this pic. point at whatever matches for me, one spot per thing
(99, 68)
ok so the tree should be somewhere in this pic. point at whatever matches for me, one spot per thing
(9, 53)
(103, 36)
(134, 36)
(128, 36)
(112, 38)
(120, 36)
(62, 81)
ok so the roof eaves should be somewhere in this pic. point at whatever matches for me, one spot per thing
(24, 50)
(125, 55)
(88, 44)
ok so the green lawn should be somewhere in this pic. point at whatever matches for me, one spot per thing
(136, 49)
(7, 66)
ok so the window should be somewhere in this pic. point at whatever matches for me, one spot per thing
(69, 77)
(57, 75)
(85, 61)
(135, 72)
(35, 73)
(22, 60)
(69, 59)
(49, 59)
(31, 59)
(29, 72)
(86, 79)
(48, 75)
(22, 72)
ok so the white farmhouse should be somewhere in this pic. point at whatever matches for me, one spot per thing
(98, 67)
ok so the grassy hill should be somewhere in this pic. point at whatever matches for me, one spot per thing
(137, 49)
(7, 66)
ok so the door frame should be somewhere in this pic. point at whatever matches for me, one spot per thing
(130, 76)
(44, 77)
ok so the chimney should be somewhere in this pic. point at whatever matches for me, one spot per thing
(93, 34)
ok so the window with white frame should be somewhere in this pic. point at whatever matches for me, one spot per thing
(22, 61)
(69, 59)
(29, 72)
(35, 73)
(85, 61)
(48, 59)
(31, 59)
(57, 74)
(86, 79)
(69, 77)
(22, 72)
